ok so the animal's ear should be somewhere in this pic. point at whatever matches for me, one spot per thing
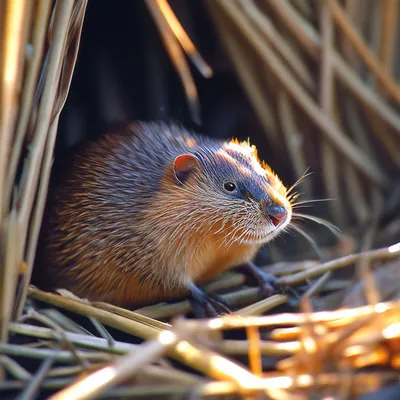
(184, 164)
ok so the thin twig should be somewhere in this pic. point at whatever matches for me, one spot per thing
(383, 253)
(309, 39)
(295, 141)
(122, 369)
(253, 336)
(89, 342)
(326, 83)
(58, 80)
(177, 58)
(354, 37)
(59, 355)
(318, 285)
(184, 39)
(32, 388)
(267, 348)
(251, 83)
(38, 42)
(14, 368)
(263, 306)
(103, 316)
(388, 33)
(333, 133)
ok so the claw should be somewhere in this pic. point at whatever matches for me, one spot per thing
(269, 284)
(207, 304)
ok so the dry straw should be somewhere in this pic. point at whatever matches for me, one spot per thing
(29, 119)
(323, 80)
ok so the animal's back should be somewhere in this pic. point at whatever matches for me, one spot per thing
(98, 207)
(121, 226)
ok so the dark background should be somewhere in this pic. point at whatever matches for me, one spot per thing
(123, 73)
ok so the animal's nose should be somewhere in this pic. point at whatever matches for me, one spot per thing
(276, 213)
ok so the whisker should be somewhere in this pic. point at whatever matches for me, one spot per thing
(287, 230)
(294, 196)
(281, 235)
(305, 174)
(291, 188)
(294, 207)
(333, 228)
(311, 201)
(306, 236)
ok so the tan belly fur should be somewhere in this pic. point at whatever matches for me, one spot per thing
(213, 259)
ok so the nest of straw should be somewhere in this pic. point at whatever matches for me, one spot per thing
(322, 78)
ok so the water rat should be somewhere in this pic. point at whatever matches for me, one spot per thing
(151, 211)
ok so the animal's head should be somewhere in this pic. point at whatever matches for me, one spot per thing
(236, 194)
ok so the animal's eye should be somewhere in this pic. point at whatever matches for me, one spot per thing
(229, 186)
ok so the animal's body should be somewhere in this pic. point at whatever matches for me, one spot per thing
(147, 213)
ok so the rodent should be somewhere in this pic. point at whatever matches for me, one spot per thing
(149, 212)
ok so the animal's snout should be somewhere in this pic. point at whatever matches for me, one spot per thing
(276, 213)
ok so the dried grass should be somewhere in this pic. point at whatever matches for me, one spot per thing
(330, 67)
(317, 351)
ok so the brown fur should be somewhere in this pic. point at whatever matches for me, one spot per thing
(120, 228)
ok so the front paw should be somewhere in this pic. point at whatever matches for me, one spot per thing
(207, 305)
(269, 284)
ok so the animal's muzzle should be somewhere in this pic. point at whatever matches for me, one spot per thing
(277, 214)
